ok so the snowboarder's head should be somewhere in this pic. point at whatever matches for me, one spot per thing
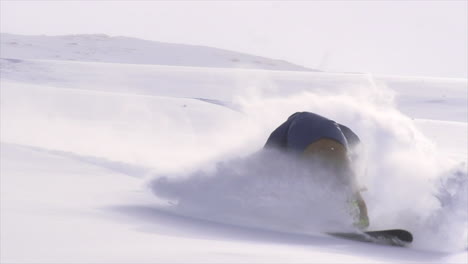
(331, 156)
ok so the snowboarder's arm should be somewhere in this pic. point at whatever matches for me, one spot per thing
(278, 138)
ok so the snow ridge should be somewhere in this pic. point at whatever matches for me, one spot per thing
(103, 48)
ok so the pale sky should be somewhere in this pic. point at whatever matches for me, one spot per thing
(415, 38)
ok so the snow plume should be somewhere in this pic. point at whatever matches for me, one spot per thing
(399, 167)
(267, 190)
(449, 221)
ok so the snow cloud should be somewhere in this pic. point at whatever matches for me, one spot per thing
(400, 169)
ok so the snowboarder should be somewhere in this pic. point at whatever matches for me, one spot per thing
(328, 143)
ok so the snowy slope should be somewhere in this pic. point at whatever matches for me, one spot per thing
(114, 162)
(103, 48)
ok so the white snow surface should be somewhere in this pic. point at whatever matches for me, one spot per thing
(118, 49)
(124, 158)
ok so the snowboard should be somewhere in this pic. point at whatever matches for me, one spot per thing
(393, 237)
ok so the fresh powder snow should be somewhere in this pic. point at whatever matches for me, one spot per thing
(119, 150)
